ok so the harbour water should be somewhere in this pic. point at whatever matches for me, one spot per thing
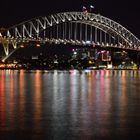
(70, 105)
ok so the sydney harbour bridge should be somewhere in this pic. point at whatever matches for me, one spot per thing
(75, 28)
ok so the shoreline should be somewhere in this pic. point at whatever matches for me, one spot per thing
(64, 69)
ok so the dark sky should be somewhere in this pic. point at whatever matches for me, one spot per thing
(126, 12)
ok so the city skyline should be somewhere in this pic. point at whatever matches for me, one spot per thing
(124, 12)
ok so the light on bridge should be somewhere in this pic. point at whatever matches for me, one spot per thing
(22, 46)
(75, 52)
(37, 45)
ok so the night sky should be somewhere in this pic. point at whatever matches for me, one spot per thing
(125, 12)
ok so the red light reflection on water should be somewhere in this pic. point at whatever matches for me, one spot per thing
(102, 111)
(123, 99)
(11, 101)
(2, 99)
(22, 98)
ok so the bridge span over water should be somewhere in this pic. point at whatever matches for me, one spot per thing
(76, 28)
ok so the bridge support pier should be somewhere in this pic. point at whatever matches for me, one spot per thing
(5, 43)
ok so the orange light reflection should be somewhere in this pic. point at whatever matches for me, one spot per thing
(37, 100)
(11, 102)
(2, 99)
(21, 98)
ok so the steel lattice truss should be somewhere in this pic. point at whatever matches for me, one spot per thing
(30, 30)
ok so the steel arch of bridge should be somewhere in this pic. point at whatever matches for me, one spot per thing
(30, 30)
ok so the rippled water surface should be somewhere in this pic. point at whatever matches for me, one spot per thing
(70, 105)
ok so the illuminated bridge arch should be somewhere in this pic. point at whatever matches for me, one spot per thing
(70, 27)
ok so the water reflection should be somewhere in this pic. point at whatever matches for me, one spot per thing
(2, 100)
(37, 104)
(11, 99)
(70, 104)
(22, 102)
